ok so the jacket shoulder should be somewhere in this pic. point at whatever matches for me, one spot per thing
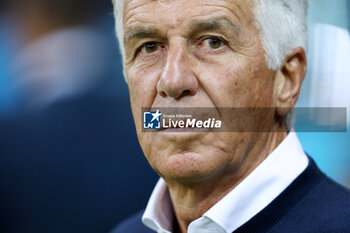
(132, 224)
(325, 209)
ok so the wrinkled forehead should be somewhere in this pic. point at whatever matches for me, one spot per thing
(180, 10)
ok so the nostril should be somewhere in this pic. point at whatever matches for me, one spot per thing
(163, 94)
(186, 92)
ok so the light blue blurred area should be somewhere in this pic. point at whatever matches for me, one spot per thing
(75, 61)
(331, 152)
(329, 12)
(7, 93)
(327, 83)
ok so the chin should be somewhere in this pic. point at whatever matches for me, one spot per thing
(187, 167)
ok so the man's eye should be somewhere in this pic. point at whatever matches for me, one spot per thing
(150, 47)
(214, 42)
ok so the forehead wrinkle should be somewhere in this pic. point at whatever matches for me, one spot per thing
(131, 11)
(236, 9)
(175, 20)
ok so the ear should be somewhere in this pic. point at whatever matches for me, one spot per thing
(288, 80)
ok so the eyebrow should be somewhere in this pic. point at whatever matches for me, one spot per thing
(141, 33)
(213, 24)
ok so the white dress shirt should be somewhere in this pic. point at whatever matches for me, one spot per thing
(247, 199)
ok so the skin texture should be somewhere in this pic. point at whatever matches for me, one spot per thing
(204, 53)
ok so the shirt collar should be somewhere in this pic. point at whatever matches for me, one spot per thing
(159, 213)
(247, 199)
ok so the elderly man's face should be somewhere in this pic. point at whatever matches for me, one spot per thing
(197, 53)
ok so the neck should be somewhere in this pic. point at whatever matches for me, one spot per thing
(190, 202)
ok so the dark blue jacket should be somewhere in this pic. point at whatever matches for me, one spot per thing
(313, 203)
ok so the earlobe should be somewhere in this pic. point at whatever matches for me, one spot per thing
(288, 81)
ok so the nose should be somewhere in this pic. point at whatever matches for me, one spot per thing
(177, 78)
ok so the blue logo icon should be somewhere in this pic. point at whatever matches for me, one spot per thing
(151, 120)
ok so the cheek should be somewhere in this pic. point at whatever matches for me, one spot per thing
(241, 84)
(142, 90)
(142, 87)
(261, 86)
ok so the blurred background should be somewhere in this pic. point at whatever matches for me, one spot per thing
(69, 156)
